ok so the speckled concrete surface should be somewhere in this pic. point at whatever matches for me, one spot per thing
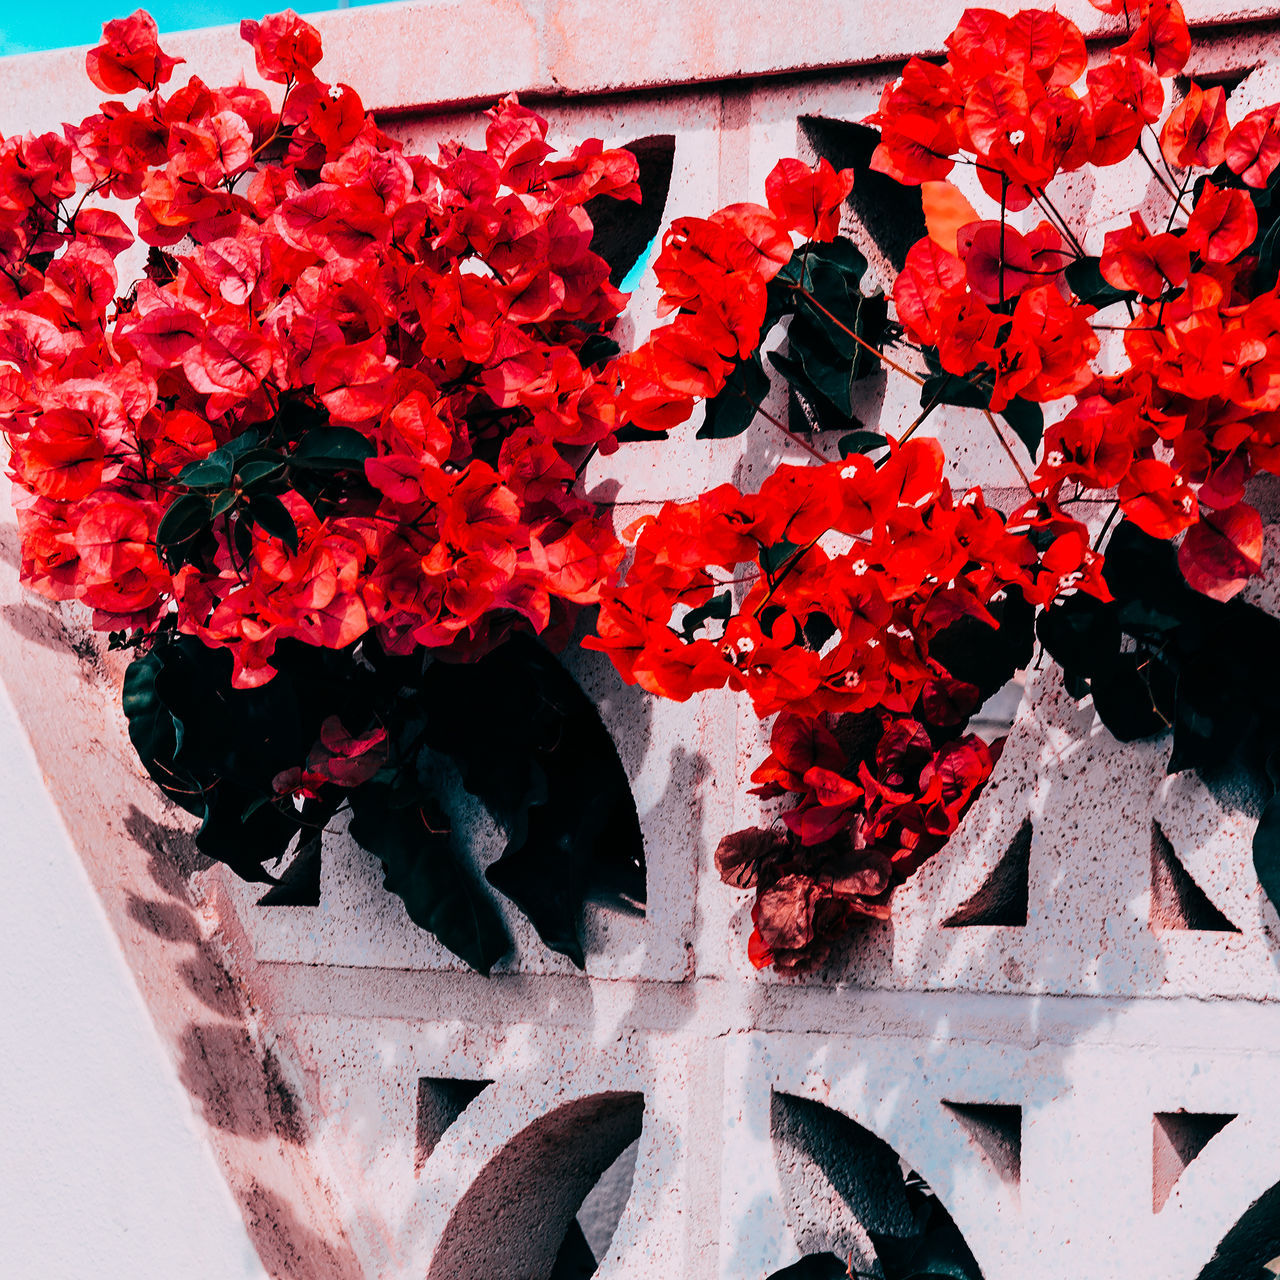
(374, 1110)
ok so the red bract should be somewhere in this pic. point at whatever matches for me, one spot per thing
(1195, 134)
(1143, 263)
(285, 47)
(808, 200)
(1253, 147)
(129, 56)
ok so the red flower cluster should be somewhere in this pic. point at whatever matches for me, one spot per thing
(351, 392)
(1183, 427)
(877, 795)
(313, 296)
(850, 569)
(819, 597)
(714, 273)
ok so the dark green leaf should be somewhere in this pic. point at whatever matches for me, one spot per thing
(1268, 251)
(862, 442)
(268, 512)
(1027, 420)
(412, 841)
(300, 884)
(818, 629)
(154, 734)
(530, 744)
(1084, 277)
(332, 449)
(596, 349)
(773, 558)
(223, 502)
(814, 1266)
(215, 471)
(244, 843)
(733, 410)
(1123, 699)
(815, 373)
(966, 393)
(631, 434)
(1266, 850)
(185, 518)
(840, 254)
(976, 654)
(719, 606)
(1080, 633)
(255, 472)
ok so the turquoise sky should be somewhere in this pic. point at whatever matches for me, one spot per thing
(26, 25)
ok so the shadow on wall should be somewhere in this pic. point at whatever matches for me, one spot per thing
(520, 1218)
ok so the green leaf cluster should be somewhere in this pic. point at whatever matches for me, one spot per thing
(525, 739)
(240, 483)
(821, 292)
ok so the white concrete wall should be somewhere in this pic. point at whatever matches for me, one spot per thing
(322, 1050)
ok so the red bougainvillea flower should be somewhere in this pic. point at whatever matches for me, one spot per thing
(129, 56)
(808, 200)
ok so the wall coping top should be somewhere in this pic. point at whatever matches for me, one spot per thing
(439, 53)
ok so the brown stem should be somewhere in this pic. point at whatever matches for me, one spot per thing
(791, 435)
(1004, 444)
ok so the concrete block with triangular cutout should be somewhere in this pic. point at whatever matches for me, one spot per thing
(1177, 1138)
(1177, 902)
(440, 1103)
(1002, 897)
(996, 1128)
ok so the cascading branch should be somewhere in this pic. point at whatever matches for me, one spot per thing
(318, 464)
(874, 615)
(325, 442)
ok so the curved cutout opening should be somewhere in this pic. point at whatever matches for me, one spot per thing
(624, 231)
(519, 1218)
(1251, 1249)
(847, 1193)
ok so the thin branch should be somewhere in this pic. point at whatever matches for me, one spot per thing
(1004, 444)
(858, 338)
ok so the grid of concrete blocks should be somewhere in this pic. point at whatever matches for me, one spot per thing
(1070, 1028)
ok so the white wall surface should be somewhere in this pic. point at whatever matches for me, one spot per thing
(104, 1171)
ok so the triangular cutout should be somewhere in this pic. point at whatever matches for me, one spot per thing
(996, 1128)
(1177, 1137)
(1177, 902)
(440, 1102)
(1002, 896)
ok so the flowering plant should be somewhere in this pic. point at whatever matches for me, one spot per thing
(318, 464)
(877, 610)
(329, 435)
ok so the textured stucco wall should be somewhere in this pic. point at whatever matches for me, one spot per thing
(174, 1053)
